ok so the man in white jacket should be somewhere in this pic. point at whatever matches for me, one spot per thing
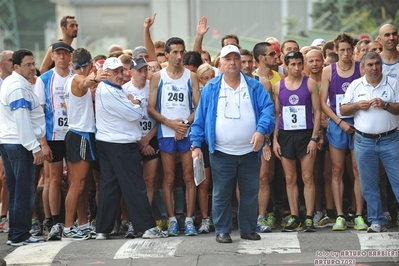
(21, 127)
(118, 131)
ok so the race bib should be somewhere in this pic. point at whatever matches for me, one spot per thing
(338, 101)
(175, 97)
(294, 117)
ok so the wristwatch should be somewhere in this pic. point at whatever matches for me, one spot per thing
(316, 139)
(386, 106)
(186, 122)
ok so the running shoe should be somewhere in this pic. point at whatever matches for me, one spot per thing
(117, 228)
(271, 221)
(35, 229)
(159, 224)
(376, 228)
(124, 226)
(340, 224)
(317, 217)
(4, 225)
(154, 233)
(190, 229)
(309, 225)
(173, 228)
(204, 226)
(360, 224)
(285, 220)
(74, 234)
(324, 222)
(30, 240)
(55, 232)
(130, 231)
(89, 230)
(350, 220)
(293, 224)
(262, 227)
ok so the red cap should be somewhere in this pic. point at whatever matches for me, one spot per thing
(276, 48)
(98, 64)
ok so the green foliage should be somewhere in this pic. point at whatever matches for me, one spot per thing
(32, 16)
(356, 16)
(359, 22)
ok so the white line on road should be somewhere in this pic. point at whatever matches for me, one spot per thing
(378, 241)
(148, 248)
(36, 254)
(273, 243)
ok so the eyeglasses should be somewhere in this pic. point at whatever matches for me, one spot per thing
(270, 54)
(156, 67)
(30, 65)
(231, 108)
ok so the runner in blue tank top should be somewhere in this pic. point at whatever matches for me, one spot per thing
(335, 80)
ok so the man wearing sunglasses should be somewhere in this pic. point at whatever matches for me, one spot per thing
(266, 57)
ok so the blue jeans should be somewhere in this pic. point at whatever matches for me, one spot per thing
(226, 169)
(20, 177)
(368, 152)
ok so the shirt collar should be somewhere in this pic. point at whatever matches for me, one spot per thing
(243, 83)
(384, 80)
(113, 85)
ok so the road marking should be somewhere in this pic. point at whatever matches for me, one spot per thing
(378, 241)
(36, 254)
(282, 243)
(148, 248)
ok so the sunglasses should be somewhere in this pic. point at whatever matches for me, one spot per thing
(270, 54)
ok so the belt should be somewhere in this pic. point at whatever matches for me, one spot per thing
(377, 136)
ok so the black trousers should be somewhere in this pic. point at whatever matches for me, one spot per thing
(122, 172)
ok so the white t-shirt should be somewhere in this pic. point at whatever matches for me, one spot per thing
(235, 120)
(147, 122)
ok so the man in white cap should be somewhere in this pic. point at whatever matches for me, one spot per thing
(118, 130)
(229, 102)
(318, 42)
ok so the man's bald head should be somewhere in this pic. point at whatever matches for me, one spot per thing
(384, 28)
(388, 37)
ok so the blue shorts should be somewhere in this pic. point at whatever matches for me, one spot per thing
(170, 145)
(339, 138)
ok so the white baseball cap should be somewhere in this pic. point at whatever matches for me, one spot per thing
(229, 49)
(112, 63)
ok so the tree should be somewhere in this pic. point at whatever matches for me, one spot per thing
(355, 15)
(32, 16)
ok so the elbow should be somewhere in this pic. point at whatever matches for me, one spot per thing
(344, 111)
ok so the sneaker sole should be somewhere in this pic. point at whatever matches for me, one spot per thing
(73, 239)
(360, 228)
(340, 229)
(309, 230)
(54, 238)
(292, 230)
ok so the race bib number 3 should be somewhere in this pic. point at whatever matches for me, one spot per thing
(294, 117)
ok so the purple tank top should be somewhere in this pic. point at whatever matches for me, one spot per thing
(338, 86)
(295, 107)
